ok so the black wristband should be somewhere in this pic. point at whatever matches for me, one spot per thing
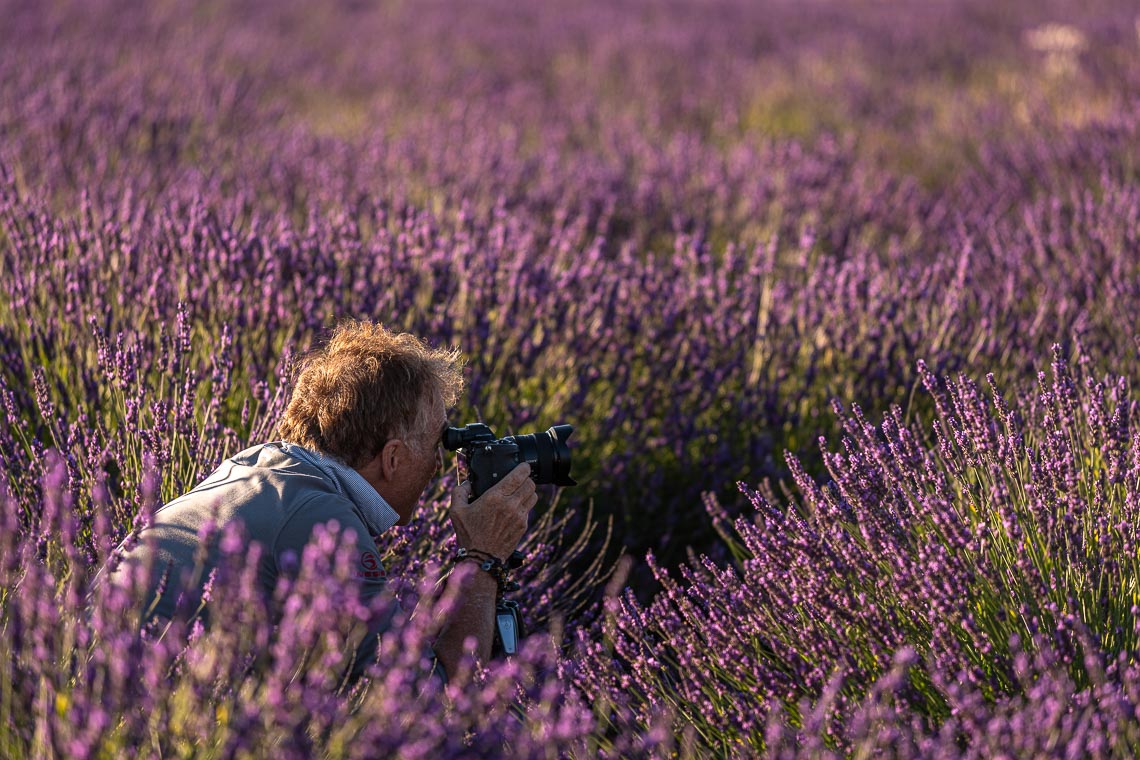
(487, 562)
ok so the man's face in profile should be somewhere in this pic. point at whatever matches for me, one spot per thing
(424, 460)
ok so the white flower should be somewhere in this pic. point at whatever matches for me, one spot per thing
(1061, 44)
(1057, 39)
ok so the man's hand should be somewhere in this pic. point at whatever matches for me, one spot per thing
(493, 523)
(496, 521)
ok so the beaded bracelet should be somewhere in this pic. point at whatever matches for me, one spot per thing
(490, 564)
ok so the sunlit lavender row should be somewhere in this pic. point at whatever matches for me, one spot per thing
(763, 257)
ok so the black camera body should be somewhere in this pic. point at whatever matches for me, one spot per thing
(489, 458)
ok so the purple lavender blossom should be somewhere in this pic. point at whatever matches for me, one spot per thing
(685, 228)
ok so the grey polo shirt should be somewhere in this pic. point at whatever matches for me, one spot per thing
(280, 492)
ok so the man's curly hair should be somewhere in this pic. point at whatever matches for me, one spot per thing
(365, 386)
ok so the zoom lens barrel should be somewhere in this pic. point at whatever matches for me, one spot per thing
(548, 455)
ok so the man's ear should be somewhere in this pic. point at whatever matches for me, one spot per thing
(391, 457)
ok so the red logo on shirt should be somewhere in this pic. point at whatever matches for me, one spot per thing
(371, 566)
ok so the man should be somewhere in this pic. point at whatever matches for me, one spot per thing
(361, 439)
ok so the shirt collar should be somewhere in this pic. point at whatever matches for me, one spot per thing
(377, 513)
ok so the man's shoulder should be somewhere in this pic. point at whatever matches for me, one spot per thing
(260, 483)
(305, 493)
(272, 455)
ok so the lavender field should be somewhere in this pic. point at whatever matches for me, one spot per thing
(841, 297)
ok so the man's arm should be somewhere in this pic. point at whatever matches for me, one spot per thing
(494, 523)
(473, 615)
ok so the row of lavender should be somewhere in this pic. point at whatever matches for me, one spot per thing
(974, 597)
(683, 371)
(690, 297)
(977, 596)
(617, 242)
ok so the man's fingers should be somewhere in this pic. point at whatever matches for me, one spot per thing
(461, 494)
(514, 480)
(500, 515)
(518, 476)
(525, 496)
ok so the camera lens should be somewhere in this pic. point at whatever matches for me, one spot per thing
(548, 455)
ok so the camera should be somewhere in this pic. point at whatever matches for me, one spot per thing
(489, 458)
